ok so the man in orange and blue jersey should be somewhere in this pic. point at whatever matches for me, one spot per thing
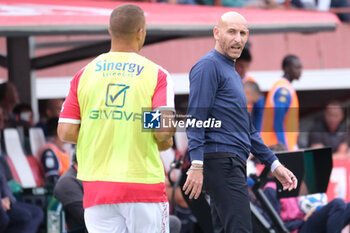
(281, 116)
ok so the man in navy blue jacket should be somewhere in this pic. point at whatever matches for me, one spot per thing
(216, 92)
(17, 216)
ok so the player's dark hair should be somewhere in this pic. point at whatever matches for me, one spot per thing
(126, 20)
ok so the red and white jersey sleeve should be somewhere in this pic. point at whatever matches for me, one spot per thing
(163, 96)
(70, 112)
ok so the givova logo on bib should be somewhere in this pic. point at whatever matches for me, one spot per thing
(115, 96)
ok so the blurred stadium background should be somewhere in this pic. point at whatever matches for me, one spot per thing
(44, 43)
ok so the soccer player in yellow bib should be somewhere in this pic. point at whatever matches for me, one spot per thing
(119, 163)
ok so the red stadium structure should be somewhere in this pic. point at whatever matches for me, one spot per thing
(22, 19)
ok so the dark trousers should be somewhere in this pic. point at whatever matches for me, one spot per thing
(347, 215)
(21, 218)
(225, 182)
(199, 207)
(327, 219)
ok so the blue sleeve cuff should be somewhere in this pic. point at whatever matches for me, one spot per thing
(196, 154)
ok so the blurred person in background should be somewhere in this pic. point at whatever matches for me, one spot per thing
(69, 191)
(184, 2)
(273, 4)
(310, 213)
(15, 187)
(8, 100)
(228, 3)
(281, 113)
(325, 5)
(177, 203)
(2, 119)
(253, 93)
(345, 17)
(331, 131)
(22, 119)
(268, 4)
(49, 108)
(15, 216)
(255, 104)
(242, 65)
(54, 158)
(23, 116)
(329, 218)
(4, 167)
(305, 214)
(261, 4)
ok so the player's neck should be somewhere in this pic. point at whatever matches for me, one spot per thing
(122, 46)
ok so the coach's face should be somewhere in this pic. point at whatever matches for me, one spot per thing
(231, 35)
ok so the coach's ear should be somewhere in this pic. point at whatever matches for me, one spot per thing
(216, 32)
(68, 132)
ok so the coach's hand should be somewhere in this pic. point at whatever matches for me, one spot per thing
(286, 177)
(194, 181)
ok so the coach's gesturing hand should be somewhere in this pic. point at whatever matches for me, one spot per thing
(286, 177)
(194, 181)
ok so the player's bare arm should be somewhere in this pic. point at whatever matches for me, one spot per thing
(164, 136)
(68, 132)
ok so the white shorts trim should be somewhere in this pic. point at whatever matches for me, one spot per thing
(128, 218)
